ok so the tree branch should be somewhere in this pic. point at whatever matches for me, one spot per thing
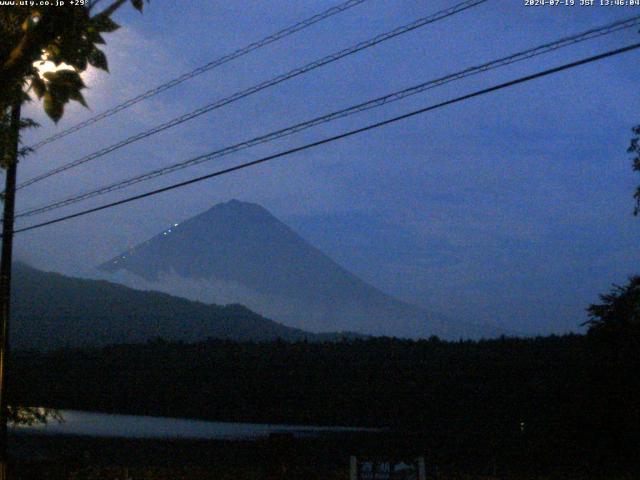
(19, 60)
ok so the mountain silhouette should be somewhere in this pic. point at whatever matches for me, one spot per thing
(50, 311)
(238, 252)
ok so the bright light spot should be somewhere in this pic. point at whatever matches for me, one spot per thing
(175, 224)
(45, 66)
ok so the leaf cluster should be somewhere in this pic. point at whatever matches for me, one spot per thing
(29, 416)
(5, 131)
(619, 311)
(634, 148)
(65, 36)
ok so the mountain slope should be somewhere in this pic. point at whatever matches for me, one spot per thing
(239, 252)
(52, 310)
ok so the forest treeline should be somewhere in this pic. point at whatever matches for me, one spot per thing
(559, 400)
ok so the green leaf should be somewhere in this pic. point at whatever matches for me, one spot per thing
(61, 92)
(98, 59)
(53, 107)
(94, 37)
(38, 86)
(77, 96)
(79, 63)
(70, 77)
(53, 53)
(103, 23)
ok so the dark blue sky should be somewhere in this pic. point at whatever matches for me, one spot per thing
(514, 207)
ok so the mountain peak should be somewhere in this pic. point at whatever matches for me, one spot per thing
(235, 209)
(238, 252)
(238, 205)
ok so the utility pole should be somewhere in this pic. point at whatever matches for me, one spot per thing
(10, 153)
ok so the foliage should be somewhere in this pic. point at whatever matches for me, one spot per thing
(535, 404)
(522, 398)
(25, 123)
(619, 311)
(32, 415)
(634, 148)
(67, 37)
(614, 339)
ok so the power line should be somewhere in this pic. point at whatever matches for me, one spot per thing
(200, 70)
(262, 86)
(374, 103)
(350, 133)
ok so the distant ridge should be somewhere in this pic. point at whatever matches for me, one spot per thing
(238, 252)
(52, 311)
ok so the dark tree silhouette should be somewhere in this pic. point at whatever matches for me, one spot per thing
(619, 311)
(614, 341)
(634, 148)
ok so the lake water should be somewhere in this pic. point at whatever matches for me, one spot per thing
(134, 426)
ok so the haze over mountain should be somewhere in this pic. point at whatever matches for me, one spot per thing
(238, 252)
(52, 311)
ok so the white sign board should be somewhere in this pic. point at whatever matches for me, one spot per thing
(369, 469)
